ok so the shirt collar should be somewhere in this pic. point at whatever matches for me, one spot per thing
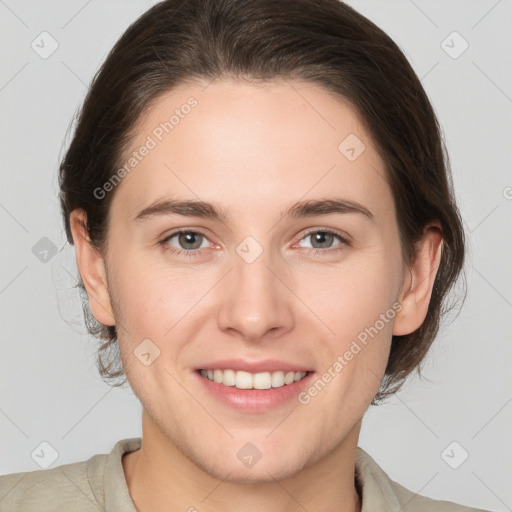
(109, 483)
(376, 486)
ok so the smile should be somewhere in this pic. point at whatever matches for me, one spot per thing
(246, 380)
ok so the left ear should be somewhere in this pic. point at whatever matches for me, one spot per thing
(418, 285)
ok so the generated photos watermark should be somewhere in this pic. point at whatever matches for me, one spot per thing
(343, 359)
(152, 141)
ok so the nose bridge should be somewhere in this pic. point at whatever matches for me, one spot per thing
(256, 301)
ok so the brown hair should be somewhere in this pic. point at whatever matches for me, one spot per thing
(324, 42)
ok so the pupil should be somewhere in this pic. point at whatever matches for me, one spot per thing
(323, 238)
(189, 238)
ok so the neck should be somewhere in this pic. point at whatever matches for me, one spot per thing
(161, 478)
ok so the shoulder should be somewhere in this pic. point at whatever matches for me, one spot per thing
(79, 486)
(48, 489)
(381, 493)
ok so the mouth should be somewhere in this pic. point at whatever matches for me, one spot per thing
(246, 380)
(250, 387)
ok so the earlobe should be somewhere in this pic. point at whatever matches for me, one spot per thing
(420, 282)
(91, 266)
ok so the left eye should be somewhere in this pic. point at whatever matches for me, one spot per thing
(188, 240)
(323, 239)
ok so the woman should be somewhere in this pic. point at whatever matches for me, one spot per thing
(266, 232)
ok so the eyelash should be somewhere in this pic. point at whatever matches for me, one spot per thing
(195, 252)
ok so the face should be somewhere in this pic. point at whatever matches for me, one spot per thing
(291, 269)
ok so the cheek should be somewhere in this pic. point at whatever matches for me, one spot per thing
(154, 296)
(168, 306)
(351, 296)
(356, 301)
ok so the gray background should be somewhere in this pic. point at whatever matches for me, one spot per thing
(50, 390)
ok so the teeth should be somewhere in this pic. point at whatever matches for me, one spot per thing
(246, 380)
(229, 378)
(243, 380)
(277, 379)
(289, 377)
(262, 380)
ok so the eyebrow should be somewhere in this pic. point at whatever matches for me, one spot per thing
(203, 210)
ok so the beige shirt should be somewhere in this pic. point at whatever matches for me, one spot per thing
(99, 484)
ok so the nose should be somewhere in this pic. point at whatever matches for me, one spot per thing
(255, 301)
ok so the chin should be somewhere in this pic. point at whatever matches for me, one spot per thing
(261, 473)
(248, 466)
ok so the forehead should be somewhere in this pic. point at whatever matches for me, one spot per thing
(238, 143)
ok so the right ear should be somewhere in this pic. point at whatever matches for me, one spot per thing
(91, 266)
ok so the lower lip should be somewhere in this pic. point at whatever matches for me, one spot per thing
(255, 400)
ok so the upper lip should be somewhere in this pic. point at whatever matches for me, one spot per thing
(267, 365)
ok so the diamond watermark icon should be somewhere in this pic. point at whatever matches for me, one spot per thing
(351, 147)
(249, 249)
(44, 455)
(146, 352)
(44, 45)
(249, 455)
(454, 455)
(44, 250)
(454, 45)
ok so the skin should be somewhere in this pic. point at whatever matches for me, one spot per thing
(253, 150)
